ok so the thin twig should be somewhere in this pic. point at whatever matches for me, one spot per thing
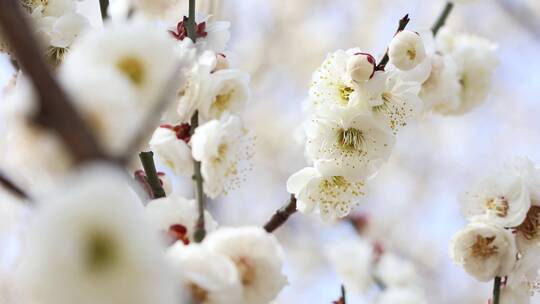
(341, 299)
(7, 183)
(200, 231)
(147, 160)
(402, 25)
(191, 25)
(55, 109)
(281, 216)
(496, 290)
(104, 7)
(442, 18)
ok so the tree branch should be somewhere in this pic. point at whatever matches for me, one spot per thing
(281, 216)
(147, 160)
(191, 25)
(442, 18)
(341, 299)
(200, 231)
(7, 183)
(104, 7)
(496, 290)
(55, 110)
(402, 25)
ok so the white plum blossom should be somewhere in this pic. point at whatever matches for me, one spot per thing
(476, 60)
(360, 67)
(171, 213)
(89, 241)
(223, 148)
(440, 91)
(352, 259)
(528, 244)
(191, 96)
(258, 258)
(332, 84)
(207, 276)
(406, 50)
(501, 198)
(169, 144)
(58, 33)
(332, 196)
(350, 147)
(211, 90)
(484, 251)
(57, 24)
(393, 100)
(226, 92)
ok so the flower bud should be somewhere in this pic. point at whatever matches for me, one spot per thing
(406, 50)
(360, 67)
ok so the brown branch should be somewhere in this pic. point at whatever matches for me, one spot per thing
(147, 160)
(402, 25)
(442, 18)
(55, 109)
(496, 290)
(7, 183)
(104, 8)
(200, 231)
(281, 216)
(341, 299)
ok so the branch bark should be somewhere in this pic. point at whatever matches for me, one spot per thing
(147, 160)
(496, 290)
(281, 216)
(104, 7)
(441, 20)
(55, 109)
(200, 231)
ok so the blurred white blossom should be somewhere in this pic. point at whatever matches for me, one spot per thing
(207, 276)
(258, 258)
(89, 241)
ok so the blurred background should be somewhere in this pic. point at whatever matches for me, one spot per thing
(411, 205)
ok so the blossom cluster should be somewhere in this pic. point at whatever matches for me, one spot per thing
(359, 106)
(502, 238)
(216, 94)
(95, 233)
(118, 243)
